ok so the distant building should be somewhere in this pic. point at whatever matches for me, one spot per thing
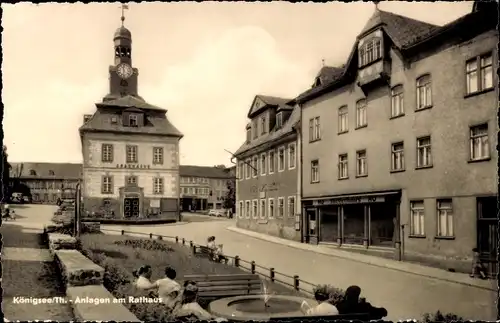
(267, 185)
(130, 149)
(46, 180)
(203, 187)
(399, 144)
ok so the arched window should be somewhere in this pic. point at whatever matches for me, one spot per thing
(397, 107)
(424, 92)
(361, 113)
(370, 51)
(51, 173)
(32, 172)
(343, 119)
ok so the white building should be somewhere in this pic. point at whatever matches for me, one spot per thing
(130, 149)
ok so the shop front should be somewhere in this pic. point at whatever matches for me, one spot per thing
(370, 219)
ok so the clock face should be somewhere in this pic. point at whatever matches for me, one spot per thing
(124, 71)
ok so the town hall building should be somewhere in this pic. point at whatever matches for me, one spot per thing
(130, 149)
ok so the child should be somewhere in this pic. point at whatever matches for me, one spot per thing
(477, 265)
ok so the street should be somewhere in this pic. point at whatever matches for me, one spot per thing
(404, 295)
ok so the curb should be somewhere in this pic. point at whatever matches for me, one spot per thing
(291, 245)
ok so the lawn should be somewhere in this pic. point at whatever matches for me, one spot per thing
(121, 255)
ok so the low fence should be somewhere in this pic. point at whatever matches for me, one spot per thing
(271, 274)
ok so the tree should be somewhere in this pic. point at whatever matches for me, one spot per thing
(229, 199)
(5, 194)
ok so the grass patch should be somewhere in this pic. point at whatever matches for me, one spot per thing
(158, 254)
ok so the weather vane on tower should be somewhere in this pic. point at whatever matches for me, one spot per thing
(123, 7)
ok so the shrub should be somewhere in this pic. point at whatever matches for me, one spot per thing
(440, 317)
(336, 294)
(144, 244)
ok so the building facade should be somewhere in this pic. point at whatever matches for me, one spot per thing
(268, 168)
(130, 149)
(44, 182)
(203, 187)
(400, 152)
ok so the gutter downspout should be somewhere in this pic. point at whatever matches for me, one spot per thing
(300, 185)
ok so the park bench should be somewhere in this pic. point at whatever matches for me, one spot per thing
(323, 318)
(206, 251)
(220, 286)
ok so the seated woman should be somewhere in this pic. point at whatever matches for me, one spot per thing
(351, 304)
(323, 307)
(189, 307)
(143, 276)
(217, 254)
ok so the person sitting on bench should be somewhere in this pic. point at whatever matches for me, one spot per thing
(217, 254)
(351, 304)
(323, 307)
(168, 289)
(143, 276)
(189, 307)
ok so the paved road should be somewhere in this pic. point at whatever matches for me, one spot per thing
(406, 296)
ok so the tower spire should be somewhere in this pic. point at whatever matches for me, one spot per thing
(123, 7)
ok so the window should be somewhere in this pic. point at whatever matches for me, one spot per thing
(445, 218)
(107, 185)
(417, 218)
(255, 209)
(343, 119)
(131, 179)
(247, 209)
(424, 156)
(315, 171)
(279, 120)
(397, 98)
(271, 208)
(131, 154)
(114, 120)
(242, 171)
(291, 206)
(271, 161)
(107, 153)
(314, 129)
(32, 172)
(241, 209)
(248, 168)
(281, 159)
(158, 185)
(255, 129)
(361, 163)
(370, 51)
(158, 155)
(132, 120)
(263, 162)
(292, 156)
(249, 135)
(361, 113)
(397, 156)
(479, 146)
(343, 166)
(281, 207)
(255, 166)
(51, 173)
(424, 92)
(479, 74)
(263, 208)
(263, 125)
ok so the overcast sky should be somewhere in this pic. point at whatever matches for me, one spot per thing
(203, 62)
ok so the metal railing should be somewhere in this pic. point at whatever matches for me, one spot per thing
(268, 273)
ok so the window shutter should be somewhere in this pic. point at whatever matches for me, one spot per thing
(111, 152)
(161, 185)
(111, 184)
(102, 152)
(140, 119)
(102, 184)
(126, 121)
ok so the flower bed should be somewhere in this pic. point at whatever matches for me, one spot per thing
(121, 255)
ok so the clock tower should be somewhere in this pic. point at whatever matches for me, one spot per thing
(122, 76)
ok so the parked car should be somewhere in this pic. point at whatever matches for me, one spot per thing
(26, 199)
(217, 212)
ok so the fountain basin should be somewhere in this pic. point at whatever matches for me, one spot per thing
(252, 307)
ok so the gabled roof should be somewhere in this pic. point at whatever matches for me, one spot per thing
(261, 102)
(129, 101)
(204, 171)
(47, 170)
(274, 134)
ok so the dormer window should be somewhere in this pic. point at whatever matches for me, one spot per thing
(263, 125)
(279, 120)
(370, 51)
(317, 82)
(255, 129)
(133, 120)
(51, 173)
(114, 120)
(32, 172)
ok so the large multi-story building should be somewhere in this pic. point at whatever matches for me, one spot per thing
(399, 145)
(203, 187)
(44, 181)
(130, 148)
(268, 168)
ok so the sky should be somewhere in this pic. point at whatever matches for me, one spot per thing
(203, 62)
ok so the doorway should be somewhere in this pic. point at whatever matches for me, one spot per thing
(311, 225)
(329, 224)
(131, 207)
(487, 232)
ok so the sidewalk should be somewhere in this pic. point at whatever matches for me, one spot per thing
(28, 271)
(407, 267)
